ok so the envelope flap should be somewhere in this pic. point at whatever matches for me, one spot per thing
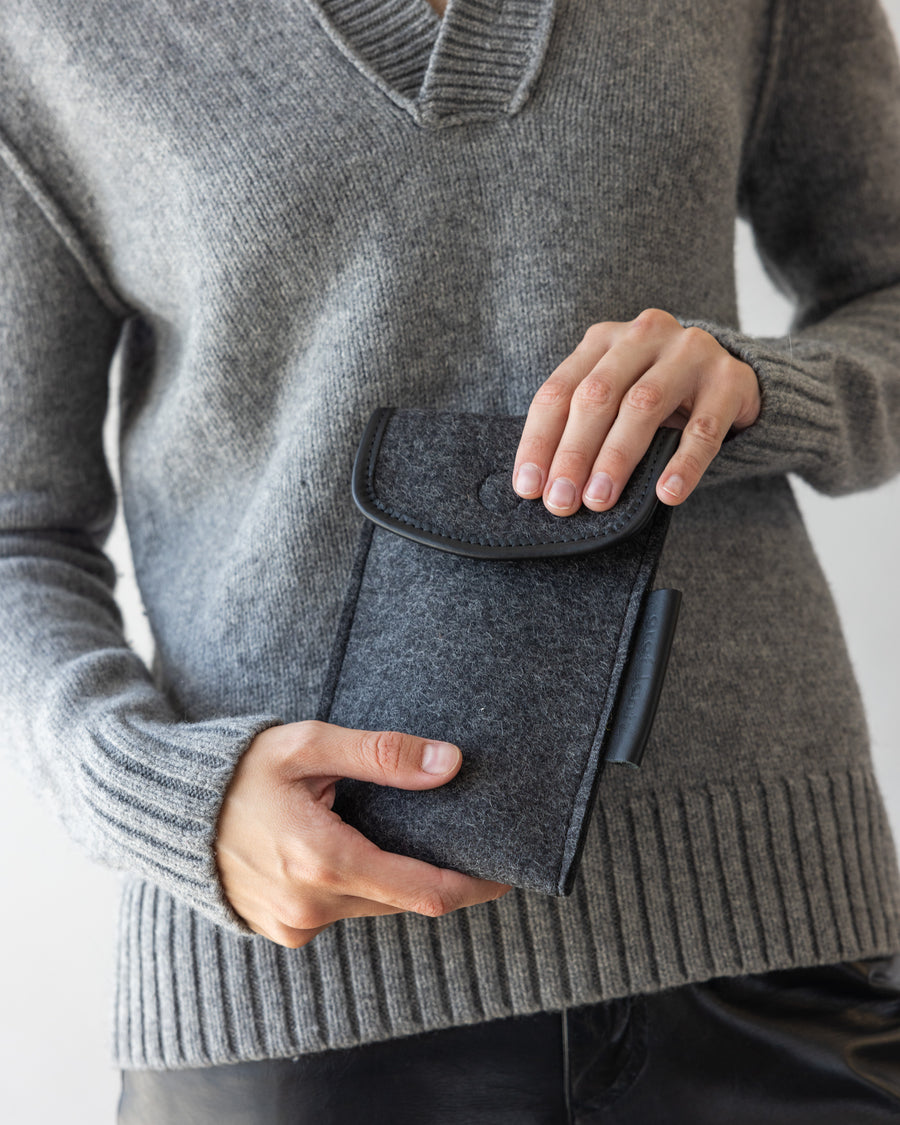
(444, 478)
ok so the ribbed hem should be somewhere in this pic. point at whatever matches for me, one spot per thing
(675, 888)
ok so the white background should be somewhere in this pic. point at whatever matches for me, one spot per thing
(59, 911)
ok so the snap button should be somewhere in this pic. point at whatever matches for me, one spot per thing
(497, 494)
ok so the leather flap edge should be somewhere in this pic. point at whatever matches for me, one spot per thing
(443, 479)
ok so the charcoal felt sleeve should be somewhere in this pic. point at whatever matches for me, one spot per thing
(478, 618)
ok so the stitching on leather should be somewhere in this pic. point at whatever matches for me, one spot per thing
(489, 542)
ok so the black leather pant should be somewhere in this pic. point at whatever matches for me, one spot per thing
(818, 1046)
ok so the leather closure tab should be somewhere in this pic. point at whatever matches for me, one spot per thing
(444, 479)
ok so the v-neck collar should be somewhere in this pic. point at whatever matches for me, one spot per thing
(478, 62)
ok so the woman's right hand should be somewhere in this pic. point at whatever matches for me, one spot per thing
(290, 866)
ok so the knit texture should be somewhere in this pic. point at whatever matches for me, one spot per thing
(282, 214)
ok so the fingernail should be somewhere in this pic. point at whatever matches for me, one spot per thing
(562, 494)
(600, 488)
(674, 485)
(528, 478)
(440, 757)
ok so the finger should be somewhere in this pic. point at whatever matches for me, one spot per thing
(647, 405)
(310, 914)
(313, 892)
(338, 872)
(701, 439)
(365, 871)
(594, 406)
(404, 761)
(549, 410)
(280, 934)
(420, 888)
(428, 894)
(433, 897)
(304, 902)
(295, 939)
(306, 899)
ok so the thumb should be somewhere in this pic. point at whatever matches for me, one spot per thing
(404, 761)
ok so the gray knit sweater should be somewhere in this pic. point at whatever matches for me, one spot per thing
(285, 213)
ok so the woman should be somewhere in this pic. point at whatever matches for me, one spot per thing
(284, 215)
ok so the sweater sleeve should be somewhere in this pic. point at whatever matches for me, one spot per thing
(821, 188)
(137, 785)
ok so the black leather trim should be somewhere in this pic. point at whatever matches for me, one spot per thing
(643, 679)
(620, 522)
(637, 700)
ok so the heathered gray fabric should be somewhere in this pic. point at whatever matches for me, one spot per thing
(516, 661)
(284, 234)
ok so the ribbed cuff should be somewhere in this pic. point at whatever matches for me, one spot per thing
(149, 787)
(798, 429)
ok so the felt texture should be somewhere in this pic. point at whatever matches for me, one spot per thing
(443, 477)
(277, 216)
(516, 661)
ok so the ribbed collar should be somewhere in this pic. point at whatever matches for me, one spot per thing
(480, 61)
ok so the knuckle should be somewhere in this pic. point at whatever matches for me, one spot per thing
(706, 429)
(385, 749)
(282, 749)
(644, 397)
(740, 372)
(308, 730)
(697, 347)
(692, 465)
(295, 877)
(615, 458)
(594, 394)
(304, 736)
(303, 916)
(322, 876)
(594, 337)
(569, 459)
(695, 338)
(290, 914)
(650, 322)
(550, 393)
(433, 904)
(284, 936)
(733, 373)
(535, 447)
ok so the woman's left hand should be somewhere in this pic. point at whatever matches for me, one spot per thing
(592, 421)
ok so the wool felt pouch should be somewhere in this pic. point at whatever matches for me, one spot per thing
(475, 617)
